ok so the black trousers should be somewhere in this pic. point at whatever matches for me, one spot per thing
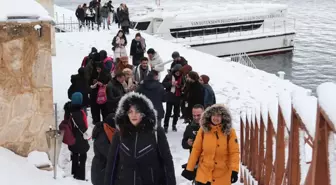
(169, 108)
(78, 165)
(97, 110)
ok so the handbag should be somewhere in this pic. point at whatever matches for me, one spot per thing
(101, 95)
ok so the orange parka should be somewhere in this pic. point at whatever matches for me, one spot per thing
(215, 149)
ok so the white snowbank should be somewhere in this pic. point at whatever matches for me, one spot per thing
(306, 108)
(23, 8)
(326, 97)
(258, 114)
(264, 113)
(286, 107)
(38, 159)
(273, 112)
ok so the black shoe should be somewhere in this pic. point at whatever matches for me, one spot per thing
(166, 130)
(174, 129)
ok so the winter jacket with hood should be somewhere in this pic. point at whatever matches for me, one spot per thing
(219, 156)
(156, 63)
(102, 136)
(138, 72)
(80, 84)
(137, 155)
(194, 96)
(102, 77)
(209, 95)
(137, 50)
(80, 14)
(114, 91)
(155, 92)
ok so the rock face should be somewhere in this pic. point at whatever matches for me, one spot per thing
(26, 99)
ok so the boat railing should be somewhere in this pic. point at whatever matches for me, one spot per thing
(242, 58)
(266, 27)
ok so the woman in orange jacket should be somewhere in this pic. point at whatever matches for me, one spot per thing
(215, 149)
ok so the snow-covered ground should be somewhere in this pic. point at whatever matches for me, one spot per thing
(237, 86)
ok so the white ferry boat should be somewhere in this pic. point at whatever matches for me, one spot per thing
(255, 29)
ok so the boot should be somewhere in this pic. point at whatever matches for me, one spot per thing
(174, 128)
(166, 130)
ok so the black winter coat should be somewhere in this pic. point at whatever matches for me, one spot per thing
(195, 94)
(80, 14)
(136, 49)
(80, 84)
(114, 92)
(167, 84)
(154, 91)
(101, 148)
(139, 155)
(81, 145)
(100, 77)
(183, 62)
(189, 133)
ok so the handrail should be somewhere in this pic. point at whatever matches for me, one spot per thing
(243, 59)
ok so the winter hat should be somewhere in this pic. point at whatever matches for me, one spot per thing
(94, 50)
(205, 79)
(102, 54)
(193, 75)
(175, 55)
(95, 56)
(186, 69)
(77, 98)
(151, 51)
(177, 67)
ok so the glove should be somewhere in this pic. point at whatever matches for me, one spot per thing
(188, 175)
(184, 166)
(234, 177)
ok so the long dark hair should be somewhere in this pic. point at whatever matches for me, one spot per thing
(124, 37)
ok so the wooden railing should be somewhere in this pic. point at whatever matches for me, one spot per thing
(273, 150)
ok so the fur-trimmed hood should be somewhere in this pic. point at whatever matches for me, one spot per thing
(143, 104)
(217, 109)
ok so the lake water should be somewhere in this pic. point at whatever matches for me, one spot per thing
(314, 58)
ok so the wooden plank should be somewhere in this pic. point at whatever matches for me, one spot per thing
(261, 153)
(269, 152)
(294, 153)
(247, 143)
(252, 149)
(280, 149)
(256, 151)
(242, 151)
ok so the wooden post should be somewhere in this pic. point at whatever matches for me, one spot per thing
(242, 151)
(280, 149)
(269, 152)
(252, 149)
(261, 165)
(256, 150)
(320, 170)
(247, 143)
(293, 152)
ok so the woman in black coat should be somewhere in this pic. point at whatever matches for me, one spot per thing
(102, 136)
(139, 153)
(75, 113)
(194, 94)
(99, 78)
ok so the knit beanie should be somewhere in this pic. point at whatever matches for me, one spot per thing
(77, 98)
(186, 69)
(205, 79)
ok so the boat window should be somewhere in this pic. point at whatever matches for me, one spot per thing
(133, 24)
(142, 25)
(215, 29)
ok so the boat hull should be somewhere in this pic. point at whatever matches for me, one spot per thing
(262, 45)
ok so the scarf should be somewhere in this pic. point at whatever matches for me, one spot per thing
(174, 90)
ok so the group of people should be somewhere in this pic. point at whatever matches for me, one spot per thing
(102, 15)
(126, 102)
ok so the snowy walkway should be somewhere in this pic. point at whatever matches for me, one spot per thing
(236, 86)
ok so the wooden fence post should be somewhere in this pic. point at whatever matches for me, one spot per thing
(242, 151)
(280, 149)
(261, 164)
(320, 170)
(269, 152)
(247, 143)
(294, 146)
(256, 150)
(252, 149)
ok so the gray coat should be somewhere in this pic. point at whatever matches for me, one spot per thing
(104, 12)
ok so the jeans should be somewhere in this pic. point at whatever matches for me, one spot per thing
(105, 23)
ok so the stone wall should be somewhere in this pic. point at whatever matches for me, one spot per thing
(26, 95)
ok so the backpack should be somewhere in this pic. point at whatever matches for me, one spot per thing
(109, 59)
(101, 95)
(68, 137)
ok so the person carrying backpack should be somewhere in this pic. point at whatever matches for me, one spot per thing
(139, 152)
(76, 120)
(102, 136)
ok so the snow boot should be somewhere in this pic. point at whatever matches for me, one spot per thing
(174, 128)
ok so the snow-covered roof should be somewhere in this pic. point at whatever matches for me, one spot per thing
(22, 10)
